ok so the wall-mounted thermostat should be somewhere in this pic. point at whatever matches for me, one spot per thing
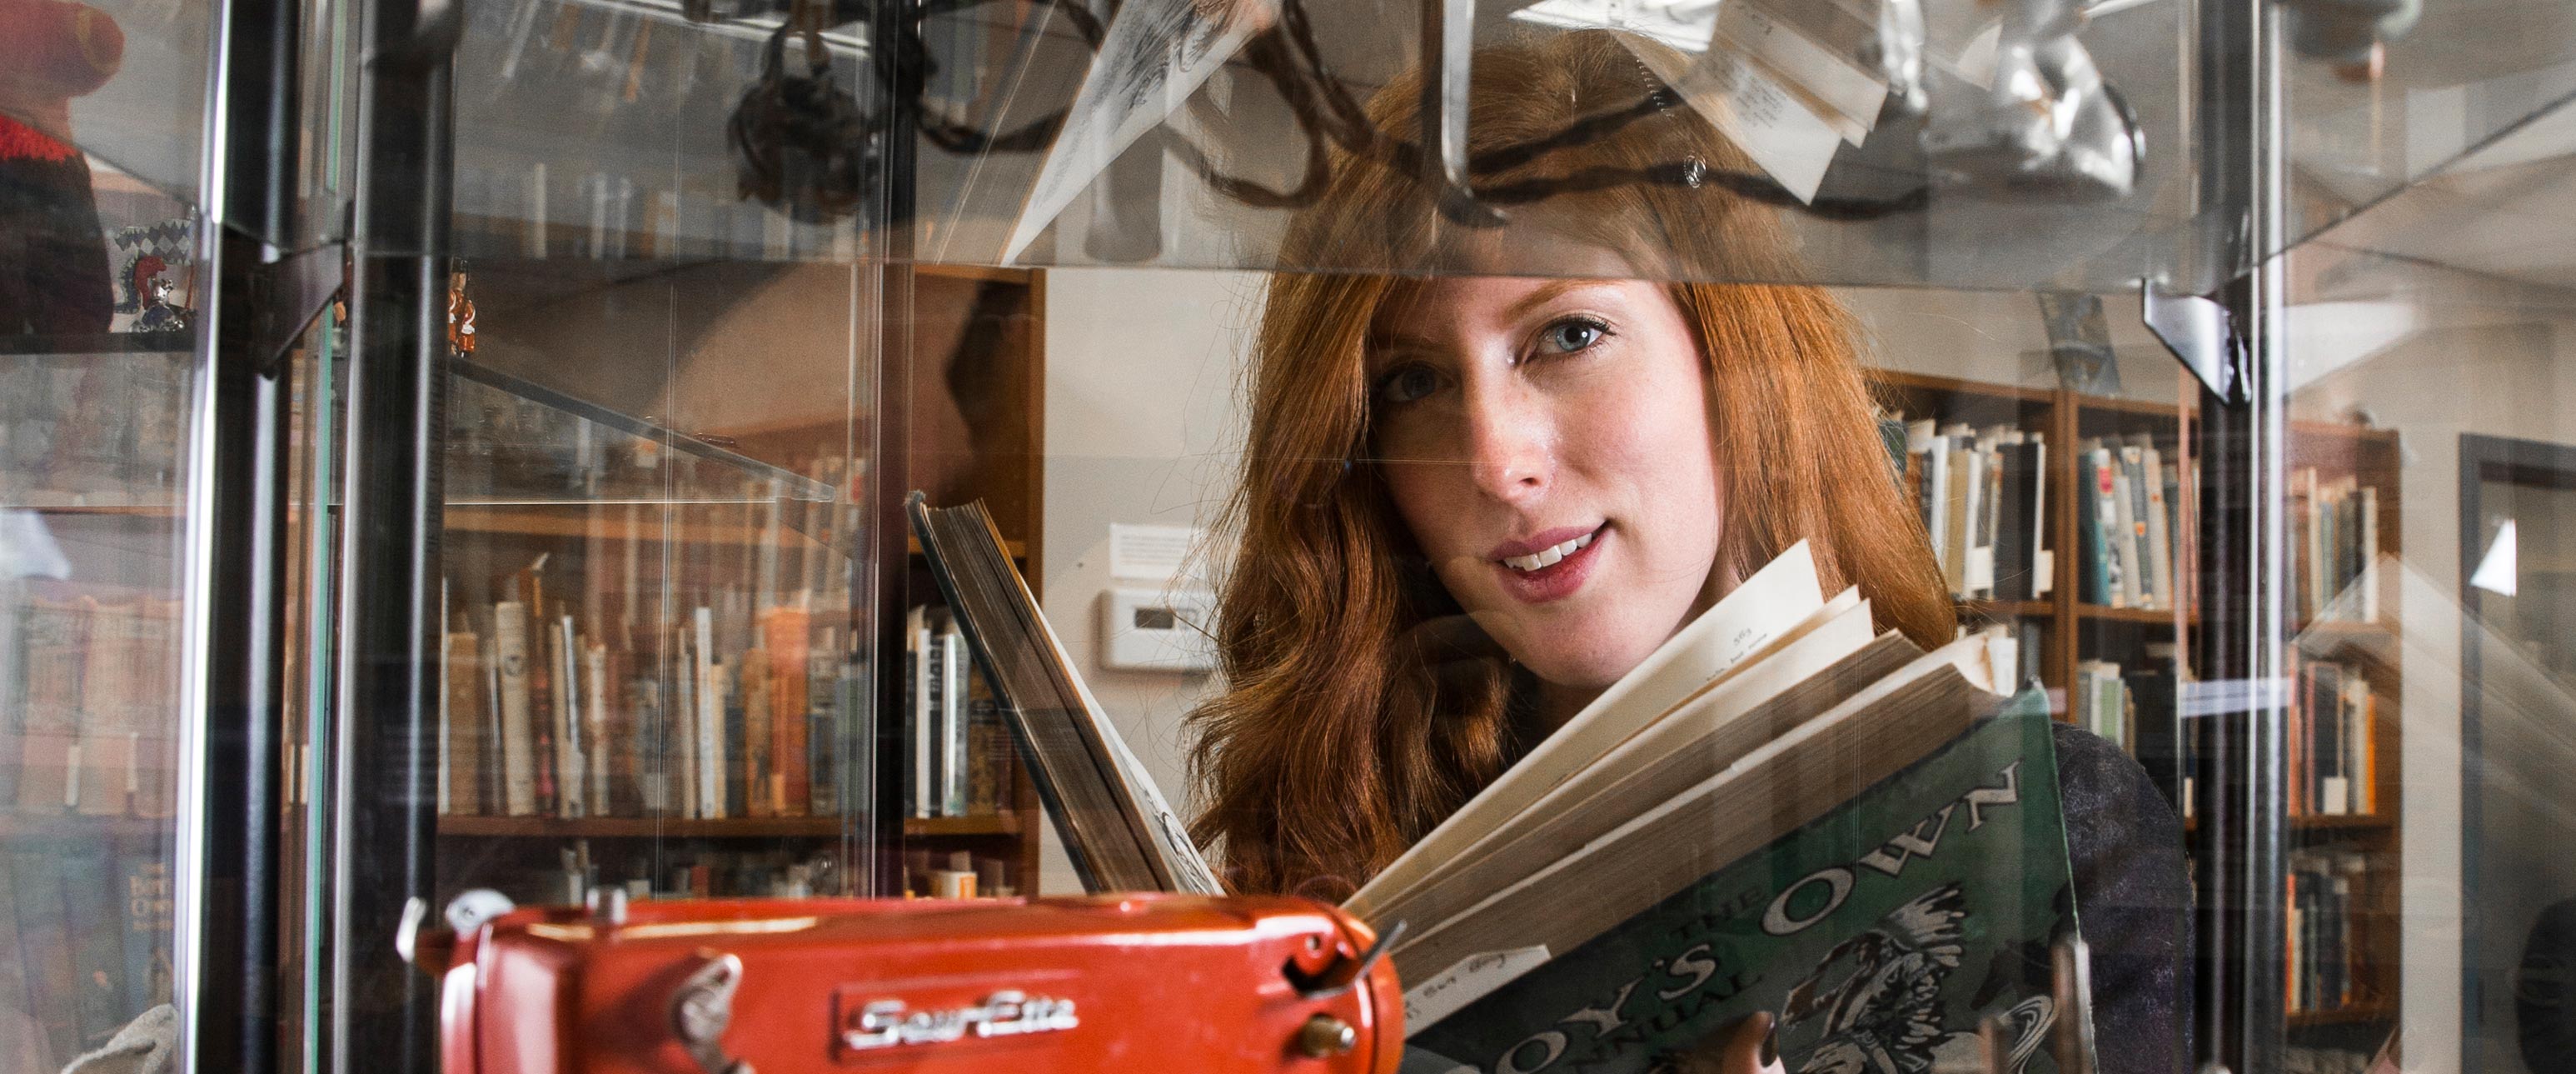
(1157, 629)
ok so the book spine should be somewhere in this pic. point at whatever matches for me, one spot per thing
(2043, 566)
(1954, 517)
(19, 1051)
(2012, 549)
(651, 734)
(823, 701)
(572, 763)
(152, 782)
(106, 773)
(953, 719)
(44, 931)
(2124, 542)
(518, 730)
(98, 946)
(1977, 566)
(759, 767)
(733, 785)
(542, 742)
(710, 755)
(784, 634)
(461, 679)
(2369, 550)
(145, 881)
(681, 712)
(2151, 470)
(595, 725)
(920, 733)
(2112, 589)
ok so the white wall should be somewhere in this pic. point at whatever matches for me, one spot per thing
(1141, 427)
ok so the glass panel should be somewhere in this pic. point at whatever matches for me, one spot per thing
(96, 382)
(1907, 196)
(99, 165)
(2455, 88)
(655, 664)
(627, 129)
(2428, 717)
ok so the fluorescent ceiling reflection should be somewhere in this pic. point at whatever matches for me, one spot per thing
(2496, 572)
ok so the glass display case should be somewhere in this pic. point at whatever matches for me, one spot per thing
(455, 447)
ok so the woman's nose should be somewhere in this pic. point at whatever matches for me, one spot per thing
(1511, 445)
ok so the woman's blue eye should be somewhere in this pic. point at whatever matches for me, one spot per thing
(1574, 334)
(1407, 383)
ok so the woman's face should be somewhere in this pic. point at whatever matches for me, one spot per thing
(1548, 444)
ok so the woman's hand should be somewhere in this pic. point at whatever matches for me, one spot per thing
(1747, 1047)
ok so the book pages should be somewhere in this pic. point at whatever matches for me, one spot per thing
(1772, 790)
(1705, 736)
(1776, 599)
(1190, 871)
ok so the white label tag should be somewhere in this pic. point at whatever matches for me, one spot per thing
(1850, 92)
(1451, 989)
(1772, 124)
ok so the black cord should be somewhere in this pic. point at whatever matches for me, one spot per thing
(1287, 56)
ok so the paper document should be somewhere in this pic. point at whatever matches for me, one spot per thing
(1154, 55)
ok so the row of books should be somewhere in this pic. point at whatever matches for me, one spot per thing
(75, 966)
(2132, 704)
(960, 748)
(1983, 496)
(541, 718)
(2013, 651)
(88, 699)
(2334, 535)
(2128, 521)
(2332, 749)
(957, 874)
(2324, 956)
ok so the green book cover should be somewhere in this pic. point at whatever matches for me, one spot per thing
(1881, 935)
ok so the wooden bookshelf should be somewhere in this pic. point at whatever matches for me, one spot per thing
(2073, 630)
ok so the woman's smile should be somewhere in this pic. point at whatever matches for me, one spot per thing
(1556, 569)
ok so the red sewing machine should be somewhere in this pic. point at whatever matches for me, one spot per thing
(1141, 982)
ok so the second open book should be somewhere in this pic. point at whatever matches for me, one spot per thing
(1776, 784)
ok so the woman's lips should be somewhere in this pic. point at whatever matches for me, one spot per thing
(1557, 580)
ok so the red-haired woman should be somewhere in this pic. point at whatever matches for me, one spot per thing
(1388, 641)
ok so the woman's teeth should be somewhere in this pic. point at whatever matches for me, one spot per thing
(1547, 557)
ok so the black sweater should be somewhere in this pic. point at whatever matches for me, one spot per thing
(2133, 900)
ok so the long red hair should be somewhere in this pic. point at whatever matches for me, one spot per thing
(1359, 709)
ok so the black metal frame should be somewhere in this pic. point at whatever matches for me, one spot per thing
(383, 812)
(2237, 729)
(228, 892)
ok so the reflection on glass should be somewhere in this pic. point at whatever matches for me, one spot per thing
(96, 294)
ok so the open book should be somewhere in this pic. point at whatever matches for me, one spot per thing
(1781, 809)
